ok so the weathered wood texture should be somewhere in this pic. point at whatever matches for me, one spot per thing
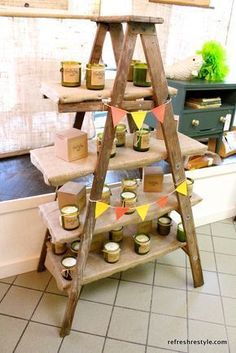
(57, 171)
(198, 3)
(98, 43)
(97, 268)
(127, 19)
(63, 95)
(152, 53)
(50, 213)
(8, 11)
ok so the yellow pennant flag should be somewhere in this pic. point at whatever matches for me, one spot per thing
(182, 188)
(139, 118)
(101, 207)
(142, 211)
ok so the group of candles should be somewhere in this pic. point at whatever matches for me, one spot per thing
(95, 74)
(141, 139)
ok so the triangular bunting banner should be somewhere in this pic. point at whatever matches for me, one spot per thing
(159, 112)
(142, 211)
(117, 115)
(182, 188)
(101, 207)
(163, 201)
(139, 118)
(120, 211)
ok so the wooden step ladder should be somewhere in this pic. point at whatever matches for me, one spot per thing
(123, 47)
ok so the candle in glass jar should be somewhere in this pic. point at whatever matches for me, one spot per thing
(68, 262)
(99, 145)
(141, 142)
(111, 252)
(106, 194)
(70, 73)
(190, 186)
(95, 76)
(181, 236)
(69, 217)
(129, 185)
(120, 135)
(128, 199)
(74, 246)
(142, 243)
(141, 75)
(116, 234)
(163, 225)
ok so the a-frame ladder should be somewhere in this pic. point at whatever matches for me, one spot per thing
(123, 46)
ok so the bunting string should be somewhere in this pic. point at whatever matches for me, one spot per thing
(142, 210)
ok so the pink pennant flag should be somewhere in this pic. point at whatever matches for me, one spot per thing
(120, 211)
(117, 115)
(159, 112)
(163, 201)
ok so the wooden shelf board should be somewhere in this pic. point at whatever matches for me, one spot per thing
(57, 171)
(66, 95)
(104, 223)
(97, 268)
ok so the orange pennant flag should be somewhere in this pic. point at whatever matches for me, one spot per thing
(163, 201)
(117, 115)
(120, 211)
(159, 112)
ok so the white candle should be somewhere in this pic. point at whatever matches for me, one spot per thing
(111, 246)
(142, 238)
(69, 261)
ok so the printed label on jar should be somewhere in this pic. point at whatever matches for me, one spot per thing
(97, 77)
(71, 74)
(70, 222)
(141, 141)
(112, 257)
(120, 135)
(144, 248)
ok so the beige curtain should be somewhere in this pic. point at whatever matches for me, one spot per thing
(30, 52)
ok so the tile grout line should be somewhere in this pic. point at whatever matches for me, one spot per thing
(221, 299)
(29, 320)
(112, 310)
(10, 286)
(150, 308)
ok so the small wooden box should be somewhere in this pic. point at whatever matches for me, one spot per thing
(72, 193)
(152, 179)
(71, 144)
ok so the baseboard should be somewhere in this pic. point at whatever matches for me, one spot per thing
(21, 266)
(212, 217)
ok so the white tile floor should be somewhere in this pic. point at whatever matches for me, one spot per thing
(137, 311)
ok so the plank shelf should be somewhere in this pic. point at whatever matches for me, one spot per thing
(96, 268)
(57, 171)
(50, 213)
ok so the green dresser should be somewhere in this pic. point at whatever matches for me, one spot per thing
(207, 122)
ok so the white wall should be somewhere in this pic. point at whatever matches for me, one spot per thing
(22, 230)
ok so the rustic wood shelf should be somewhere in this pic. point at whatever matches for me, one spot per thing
(50, 213)
(97, 268)
(80, 99)
(57, 171)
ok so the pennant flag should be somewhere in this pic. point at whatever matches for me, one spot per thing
(182, 188)
(101, 207)
(163, 201)
(142, 211)
(117, 115)
(139, 118)
(159, 112)
(120, 211)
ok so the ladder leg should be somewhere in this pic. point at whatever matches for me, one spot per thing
(96, 52)
(43, 253)
(99, 177)
(160, 89)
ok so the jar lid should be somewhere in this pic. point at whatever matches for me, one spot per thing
(142, 132)
(106, 189)
(129, 182)
(111, 246)
(70, 63)
(142, 238)
(120, 127)
(68, 261)
(96, 66)
(165, 220)
(117, 229)
(128, 195)
(69, 210)
(140, 65)
(189, 181)
(75, 245)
